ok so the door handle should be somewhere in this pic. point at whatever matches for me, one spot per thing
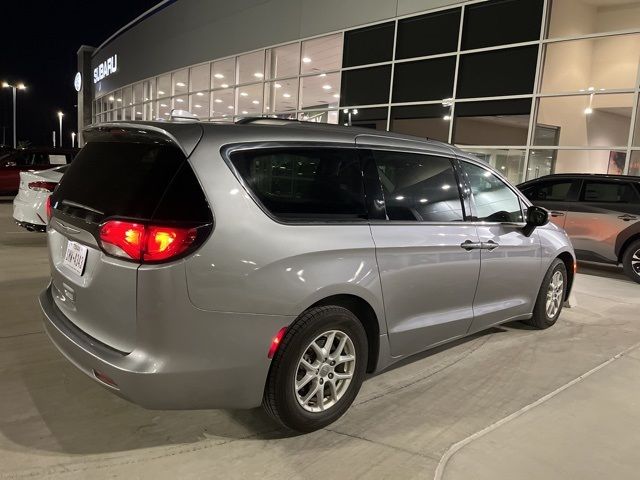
(626, 217)
(556, 214)
(468, 245)
(490, 245)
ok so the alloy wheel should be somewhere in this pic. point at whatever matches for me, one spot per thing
(325, 371)
(555, 292)
(635, 262)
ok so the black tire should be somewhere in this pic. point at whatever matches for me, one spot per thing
(540, 318)
(280, 400)
(627, 259)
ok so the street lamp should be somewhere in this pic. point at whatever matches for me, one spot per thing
(19, 86)
(60, 115)
(73, 139)
(349, 112)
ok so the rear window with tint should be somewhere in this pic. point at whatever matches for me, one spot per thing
(120, 179)
(301, 184)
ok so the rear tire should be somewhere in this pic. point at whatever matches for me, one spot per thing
(326, 371)
(550, 297)
(631, 261)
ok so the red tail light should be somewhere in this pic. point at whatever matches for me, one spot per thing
(147, 243)
(48, 208)
(42, 186)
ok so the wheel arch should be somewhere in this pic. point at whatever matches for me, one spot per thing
(625, 244)
(367, 316)
(569, 263)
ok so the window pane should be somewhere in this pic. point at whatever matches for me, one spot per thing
(634, 166)
(331, 116)
(149, 90)
(322, 54)
(282, 95)
(322, 91)
(368, 86)
(420, 188)
(579, 17)
(374, 118)
(250, 99)
(148, 111)
(509, 163)
(138, 112)
(223, 103)
(137, 93)
(305, 184)
(549, 191)
(283, 61)
(368, 45)
(608, 192)
(223, 73)
(498, 122)
(545, 162)
(636, 128)
(584, 120)
(118, 99)
(430, 121)
(200, 104)
(424, 80)
(251, 67)
(181, 102)
(179, 82)
(428, 34)
(494, 201)
(499, 72)
(499, 22)
(164, 86)
(199, 78)
(593, 64)
(163, 109)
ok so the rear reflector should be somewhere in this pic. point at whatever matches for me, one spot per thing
(42, 186)
(105, 379)
(140, 242)
(275, 343)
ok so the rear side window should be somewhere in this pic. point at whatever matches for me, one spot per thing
(132, 180)
(549, 192)
(419, 188)
(609, 192)
(302, 184)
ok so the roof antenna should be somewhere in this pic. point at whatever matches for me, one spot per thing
(182, 115)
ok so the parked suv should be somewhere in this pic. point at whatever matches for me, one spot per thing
(601, 214)
(201, 265)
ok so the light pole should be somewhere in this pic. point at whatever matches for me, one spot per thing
(19, 86)
(60, 115)
(350, 112)
(73, 139)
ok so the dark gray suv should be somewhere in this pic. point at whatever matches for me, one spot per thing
(601, 214)
(201, 265)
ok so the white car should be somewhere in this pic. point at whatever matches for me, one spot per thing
(30, 204)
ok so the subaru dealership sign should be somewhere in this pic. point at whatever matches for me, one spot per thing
(106, 68)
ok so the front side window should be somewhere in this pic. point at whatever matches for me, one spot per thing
(549, 191)
(494, 200)
(609, 192)
(305, 184)
(419, 188)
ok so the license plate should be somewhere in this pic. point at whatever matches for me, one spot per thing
(75, 257)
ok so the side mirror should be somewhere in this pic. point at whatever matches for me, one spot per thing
(536, 217)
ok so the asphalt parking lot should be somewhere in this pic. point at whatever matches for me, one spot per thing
(509, 403)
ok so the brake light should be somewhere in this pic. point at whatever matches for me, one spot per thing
(42, 186)
(150, 243)
(48, 208)
(275, 343)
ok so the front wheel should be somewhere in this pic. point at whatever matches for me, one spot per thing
(550, 297)
(631, 261)
(318, 369)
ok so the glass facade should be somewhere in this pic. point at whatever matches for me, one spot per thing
(531, 86)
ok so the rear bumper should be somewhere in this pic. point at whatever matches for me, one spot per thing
(28, 214)
(32, 227)
(220, 373)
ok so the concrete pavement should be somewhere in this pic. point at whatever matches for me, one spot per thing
(56, 423)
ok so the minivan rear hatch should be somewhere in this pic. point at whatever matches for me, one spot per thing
(126, 175)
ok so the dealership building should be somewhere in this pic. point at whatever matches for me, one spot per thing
(532, 86)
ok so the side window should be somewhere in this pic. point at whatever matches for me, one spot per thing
(421, 188)
(494, 200)
(300, 184)
(549, 191)
(40, 159)
(22, 159)
(609, 192)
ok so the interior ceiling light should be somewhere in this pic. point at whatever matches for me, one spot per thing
(219, 76)
(306, 60)
(180, 84)
(277, 85)
(244, 112)
(111, 99)
(230, 107)
(244, 94)
(217, 100)
(160, 92)
(164, 105)
(256, 102)
(197, 106)
(199, 94)
(179, 100)
(337, 95)
(258, 75)
(225, 85)
(326, 87)
(588, 111)
(286, 95)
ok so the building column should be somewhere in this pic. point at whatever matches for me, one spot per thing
(85, 95)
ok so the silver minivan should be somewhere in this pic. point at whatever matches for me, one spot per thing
(202, 265)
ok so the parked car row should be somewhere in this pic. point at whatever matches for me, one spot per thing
(29, 205)
(29, 159)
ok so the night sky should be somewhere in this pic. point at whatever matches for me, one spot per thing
(39, 44)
